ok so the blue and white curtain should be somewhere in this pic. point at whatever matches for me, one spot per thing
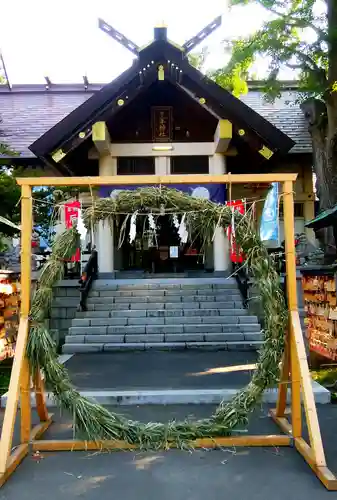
(212, 192)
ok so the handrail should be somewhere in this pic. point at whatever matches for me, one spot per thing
(242, 280)
(88, 276)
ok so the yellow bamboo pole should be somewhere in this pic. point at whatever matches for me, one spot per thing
(211, 442)
(20, 380)
(289, 235)
(283, 385)
(40, 399)
(26, 255)
(13, 396)
(314, 431)
(156, 179)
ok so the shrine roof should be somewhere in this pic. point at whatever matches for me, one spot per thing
(140, 76)
(38, 121)
(29, 111)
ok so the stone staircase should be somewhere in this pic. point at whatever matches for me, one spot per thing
(163, 314)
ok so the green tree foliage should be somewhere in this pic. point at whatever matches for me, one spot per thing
(198, 59)
(10, 202)
(300, 35)
(10, 207)
(297, 36)
(44, 201)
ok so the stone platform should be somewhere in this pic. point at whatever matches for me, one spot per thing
(177, 377)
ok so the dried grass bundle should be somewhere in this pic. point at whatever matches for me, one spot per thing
(93, 422)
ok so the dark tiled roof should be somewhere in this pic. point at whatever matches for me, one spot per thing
(27, 114)
(285, 114)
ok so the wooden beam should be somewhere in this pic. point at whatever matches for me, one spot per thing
(20, 369)
(199, 37)
(119, 37)
(77, 445)
(101, 137)
(26, 265)
(284, 381)
(13, 396)
(223, 135)
(131, 180)
(289, 233)
(41, 407)
(40, 429)
(282, 422)
(14, 460)
(307, 392)
(322, 472)
(25, 408)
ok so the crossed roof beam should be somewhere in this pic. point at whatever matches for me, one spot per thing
(135, 49)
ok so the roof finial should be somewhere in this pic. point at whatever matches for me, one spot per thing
(160, 31)
(161, 24)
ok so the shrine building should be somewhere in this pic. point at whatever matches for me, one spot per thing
(161, 116)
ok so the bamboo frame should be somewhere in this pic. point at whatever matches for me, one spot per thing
(295, 370)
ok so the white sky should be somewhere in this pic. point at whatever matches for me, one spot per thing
(61, 38)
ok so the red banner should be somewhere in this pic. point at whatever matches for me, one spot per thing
(235, 252)
(71, 216)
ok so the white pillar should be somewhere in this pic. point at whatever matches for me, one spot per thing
(221, 259)
(162, 165)
(105, 243)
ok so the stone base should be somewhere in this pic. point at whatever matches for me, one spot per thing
(175, 396)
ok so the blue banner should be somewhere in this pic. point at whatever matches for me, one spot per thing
(212, 192)
(269, 225)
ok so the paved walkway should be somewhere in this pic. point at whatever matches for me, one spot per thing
(161, 370)
(238, 474)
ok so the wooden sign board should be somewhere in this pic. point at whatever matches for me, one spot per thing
(161, 124)
(319, 293)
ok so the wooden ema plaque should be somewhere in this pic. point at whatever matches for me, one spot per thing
(9, 317)
(319, 293)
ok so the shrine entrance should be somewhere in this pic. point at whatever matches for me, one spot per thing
(160, 249)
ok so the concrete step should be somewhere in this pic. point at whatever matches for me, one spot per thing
(152, 313)
(107, 312)
(165, 346)
(148, 321)
(183, 284)
(159, 314)
(161, 337)
(166, 299)
(109, 306)
(164, 329)
(164, 292)
(154, 306)
(164, 320)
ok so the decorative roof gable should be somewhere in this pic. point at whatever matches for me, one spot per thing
(159, 60)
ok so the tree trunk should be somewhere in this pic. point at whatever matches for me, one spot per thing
(322, 127)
